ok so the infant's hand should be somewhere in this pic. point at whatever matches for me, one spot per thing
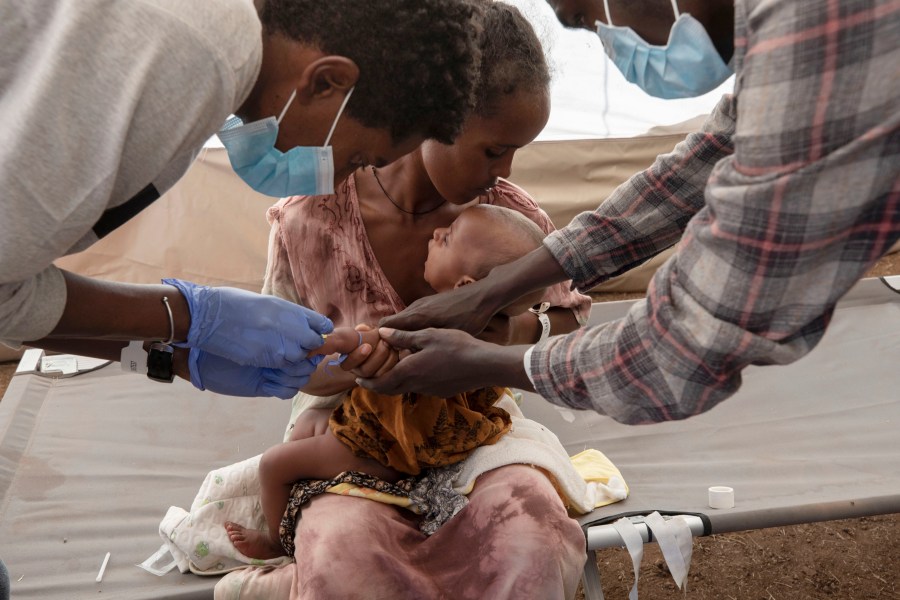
(378, 359)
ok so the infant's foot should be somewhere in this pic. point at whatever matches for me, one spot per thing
(253, 543)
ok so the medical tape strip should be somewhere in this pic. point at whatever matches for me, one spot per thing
(675, 542)
(635, 545)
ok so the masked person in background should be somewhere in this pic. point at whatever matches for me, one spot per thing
(784, 199)
(106, 105)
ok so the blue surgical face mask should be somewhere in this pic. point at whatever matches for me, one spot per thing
(689, 65)
(301, 171)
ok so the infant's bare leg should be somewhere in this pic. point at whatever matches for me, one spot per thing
(275, 472)
(319, 455)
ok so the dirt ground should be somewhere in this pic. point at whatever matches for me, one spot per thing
(850, 559)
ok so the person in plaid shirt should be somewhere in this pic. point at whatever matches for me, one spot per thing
(783, 200)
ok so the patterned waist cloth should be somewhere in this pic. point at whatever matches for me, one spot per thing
(430, 495)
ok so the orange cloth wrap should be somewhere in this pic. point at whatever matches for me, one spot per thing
(414, 431)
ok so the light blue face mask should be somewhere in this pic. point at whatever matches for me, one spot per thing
(301, 171)
(688, 65)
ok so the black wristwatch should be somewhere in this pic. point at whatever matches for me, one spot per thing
(159, 362)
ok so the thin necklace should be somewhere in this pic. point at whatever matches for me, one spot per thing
(400, 208)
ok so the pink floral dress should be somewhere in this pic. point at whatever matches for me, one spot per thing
(514, 539)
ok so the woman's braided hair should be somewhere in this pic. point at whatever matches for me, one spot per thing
(512, 58)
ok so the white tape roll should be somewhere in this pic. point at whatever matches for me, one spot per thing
(721, 497)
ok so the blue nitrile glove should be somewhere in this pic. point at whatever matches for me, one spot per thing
(248, 328)
(220, 375)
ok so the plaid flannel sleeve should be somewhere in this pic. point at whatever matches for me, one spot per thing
(647, 213)
(809, 200)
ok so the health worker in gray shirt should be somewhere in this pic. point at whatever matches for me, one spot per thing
(106, 104)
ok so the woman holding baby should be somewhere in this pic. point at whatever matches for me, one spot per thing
(360, 255)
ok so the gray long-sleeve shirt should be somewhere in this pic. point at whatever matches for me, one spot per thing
(98, 101)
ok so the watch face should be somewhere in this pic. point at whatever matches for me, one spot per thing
(159, 363)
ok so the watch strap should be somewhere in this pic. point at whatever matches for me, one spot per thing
(159, 362)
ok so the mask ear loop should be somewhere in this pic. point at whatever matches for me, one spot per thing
(605, 74)
(609, 18)
(675, 8)
(340, 112)
(286, 106)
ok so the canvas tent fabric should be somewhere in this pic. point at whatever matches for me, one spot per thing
(89, 464)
